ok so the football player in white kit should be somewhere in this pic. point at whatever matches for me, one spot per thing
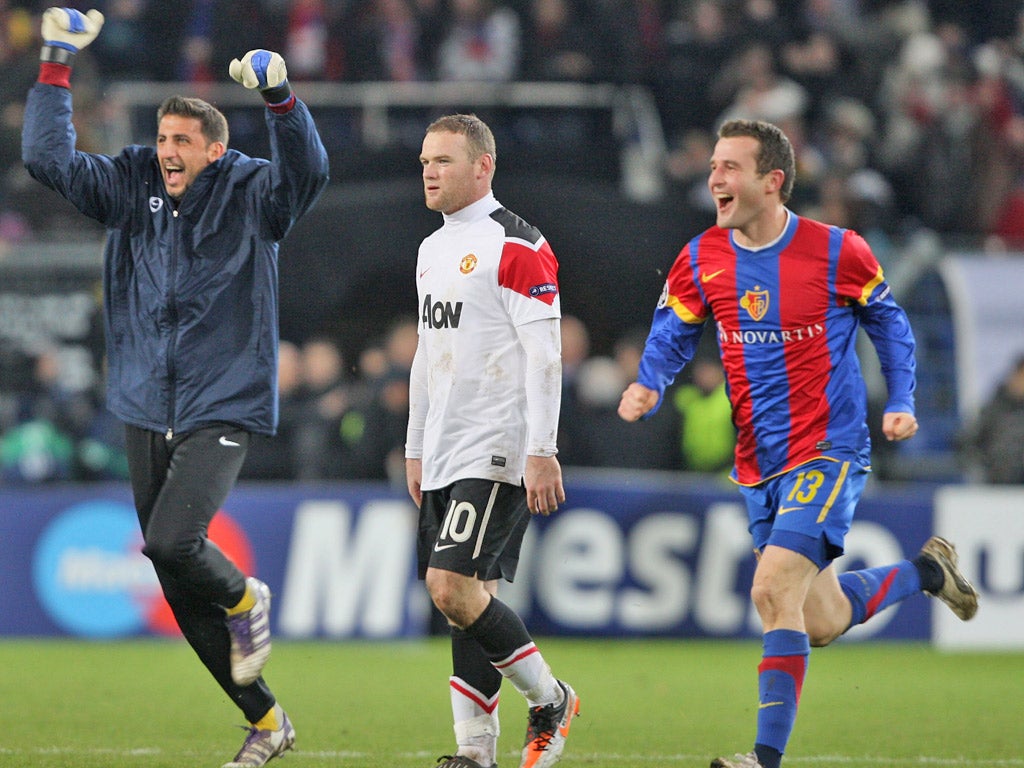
(480, 450)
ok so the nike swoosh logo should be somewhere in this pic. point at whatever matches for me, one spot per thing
(706, 278)
(425, 271)
(230, 443)
(770, 704)
(440, 547)
(784, 510)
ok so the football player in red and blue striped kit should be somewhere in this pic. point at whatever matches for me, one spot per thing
(787, 295)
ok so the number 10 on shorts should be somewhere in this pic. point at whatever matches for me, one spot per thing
(459, 524)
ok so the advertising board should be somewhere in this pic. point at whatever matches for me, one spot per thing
(627, 555)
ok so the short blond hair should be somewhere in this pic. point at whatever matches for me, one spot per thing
(479, 139)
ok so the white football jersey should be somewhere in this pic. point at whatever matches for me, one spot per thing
(478, 277)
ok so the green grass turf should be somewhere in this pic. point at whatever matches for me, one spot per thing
(149, 704)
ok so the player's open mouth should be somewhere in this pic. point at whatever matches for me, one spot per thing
(723, 202)
(173, 173)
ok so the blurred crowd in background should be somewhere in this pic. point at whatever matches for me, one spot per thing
(346, 419)
(903, 113)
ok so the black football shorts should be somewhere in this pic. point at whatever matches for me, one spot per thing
(473, 527)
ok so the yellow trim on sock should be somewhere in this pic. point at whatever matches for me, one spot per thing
(269, 721)
(246, 603)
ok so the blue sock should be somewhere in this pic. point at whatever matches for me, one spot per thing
(780, 679)
(872, 589)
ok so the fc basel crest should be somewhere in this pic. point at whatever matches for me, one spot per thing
(755, 302)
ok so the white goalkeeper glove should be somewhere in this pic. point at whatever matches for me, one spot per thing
(66, 32)
(264, 70)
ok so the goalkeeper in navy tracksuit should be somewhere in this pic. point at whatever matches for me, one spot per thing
(190, 299)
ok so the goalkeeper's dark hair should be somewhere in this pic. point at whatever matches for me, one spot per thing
(212, 123)
(479, 139)
(776, 152)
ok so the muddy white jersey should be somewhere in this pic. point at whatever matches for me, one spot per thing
(484, 273)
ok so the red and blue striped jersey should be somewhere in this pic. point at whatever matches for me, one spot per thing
(786, 318)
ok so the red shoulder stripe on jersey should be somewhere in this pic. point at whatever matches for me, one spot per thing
(532, 273)
(859, 273)
(682, 295)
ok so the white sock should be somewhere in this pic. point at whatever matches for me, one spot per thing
(531, 675)
(478, 738)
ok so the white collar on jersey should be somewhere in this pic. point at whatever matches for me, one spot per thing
(473, 211)
(773, 243)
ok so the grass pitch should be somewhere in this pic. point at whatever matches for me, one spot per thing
(150, 704)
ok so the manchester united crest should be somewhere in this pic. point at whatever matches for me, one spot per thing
(468, 264)
(755, 302)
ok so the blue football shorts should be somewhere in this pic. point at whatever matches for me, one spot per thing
(808, 509)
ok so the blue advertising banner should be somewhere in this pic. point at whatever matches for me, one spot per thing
(656, 555)
(629, 554)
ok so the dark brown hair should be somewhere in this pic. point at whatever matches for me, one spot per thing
(776, 152)
(213, 124)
